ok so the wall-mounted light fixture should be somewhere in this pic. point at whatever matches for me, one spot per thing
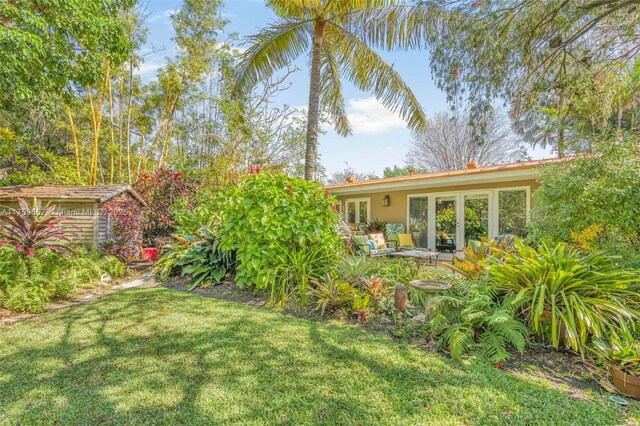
(386, 200)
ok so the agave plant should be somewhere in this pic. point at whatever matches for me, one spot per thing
(33, 228)
(566, 296)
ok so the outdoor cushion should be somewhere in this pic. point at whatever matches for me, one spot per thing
(392, 230)
(361, 240)
(378, 240)
(372, 245)
(405, 240)
(382, 251)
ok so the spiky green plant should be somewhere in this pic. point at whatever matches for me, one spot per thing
(331, 294)
(341, 36)
(566, 296)
(356, 269)
(290, 271)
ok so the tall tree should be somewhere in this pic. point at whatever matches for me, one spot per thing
(341, 176)
(341, 37)
(46, 46)
(448, 143)
(539, 56)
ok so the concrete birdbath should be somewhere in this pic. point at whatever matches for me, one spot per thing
(430, 288)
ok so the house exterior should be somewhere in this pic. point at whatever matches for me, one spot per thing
(85, 224)
(444, 210)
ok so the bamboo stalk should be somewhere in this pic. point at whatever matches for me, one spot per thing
(74, 136)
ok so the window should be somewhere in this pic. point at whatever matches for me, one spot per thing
(358, 210)
(418, 220)
(512, 212)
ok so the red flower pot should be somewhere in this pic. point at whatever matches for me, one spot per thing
(150, 253)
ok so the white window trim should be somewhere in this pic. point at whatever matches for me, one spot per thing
(496, 211)
(493, 193)
(357, 201)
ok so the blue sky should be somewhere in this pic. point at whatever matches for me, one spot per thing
(380, 138)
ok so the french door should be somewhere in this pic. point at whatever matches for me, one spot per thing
(445, 222)
(358, 210)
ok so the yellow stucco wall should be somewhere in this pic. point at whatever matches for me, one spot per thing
(396, 212)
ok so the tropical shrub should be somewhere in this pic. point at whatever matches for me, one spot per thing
(197, 256)
(291, 271)
(331, 295)
(474, 262)
(125, 215)
(472, 321)
(597, 195)
(28, 285)
(567, 297)
(271, 217)
(162, 191)
(356, 269)
(191, 215)
(33, 228)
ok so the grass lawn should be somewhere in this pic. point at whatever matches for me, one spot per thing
(158, 356)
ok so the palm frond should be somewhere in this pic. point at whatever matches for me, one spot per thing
(368, 71)
(331, 87)
(295, 8)
(388, 25)
(273, 48)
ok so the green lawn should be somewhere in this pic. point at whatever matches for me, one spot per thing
(157, 356)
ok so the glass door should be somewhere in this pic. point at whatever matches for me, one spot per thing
(446, 223)
(476, 217)
(358, 211)
(418, 220)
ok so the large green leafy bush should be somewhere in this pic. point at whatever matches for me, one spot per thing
(597, 192)
(565, 296)
(270, 214)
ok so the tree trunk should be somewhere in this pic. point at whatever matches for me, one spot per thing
(311, 156)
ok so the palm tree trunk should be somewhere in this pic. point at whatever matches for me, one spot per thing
(311, 156)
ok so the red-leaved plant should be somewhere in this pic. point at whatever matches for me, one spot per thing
(161, 191)
(33, 228)
(125, 215)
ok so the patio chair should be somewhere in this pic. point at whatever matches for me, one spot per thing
(395, 232)
(373, 245)
(445, 243)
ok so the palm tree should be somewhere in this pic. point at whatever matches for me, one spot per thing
(342, 36)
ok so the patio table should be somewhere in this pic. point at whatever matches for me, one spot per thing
(420, 255)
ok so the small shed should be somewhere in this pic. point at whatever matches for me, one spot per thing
(85, 224)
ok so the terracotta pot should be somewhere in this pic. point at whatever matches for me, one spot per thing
(627, 384)
(150, 253)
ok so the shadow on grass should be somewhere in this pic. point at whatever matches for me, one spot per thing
(157, 356)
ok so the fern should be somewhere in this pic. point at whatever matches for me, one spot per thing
(475, 324)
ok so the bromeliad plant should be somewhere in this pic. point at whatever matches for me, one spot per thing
(33, 228)
(566, 296)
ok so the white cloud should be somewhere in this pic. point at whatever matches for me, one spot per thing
(370, 117)
(161, 15)
(147, 69)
